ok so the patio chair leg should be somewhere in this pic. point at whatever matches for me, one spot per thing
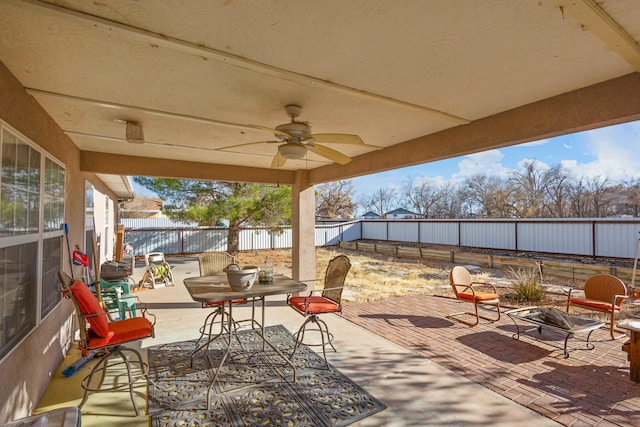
(299, 336)
(208, 322)
(455, 316)
(105, 364)
(612, 329)
(324, 332)
(475, 314)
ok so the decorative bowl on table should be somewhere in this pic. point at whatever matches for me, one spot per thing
(241, 278)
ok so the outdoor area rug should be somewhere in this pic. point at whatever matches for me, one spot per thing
(254, 388)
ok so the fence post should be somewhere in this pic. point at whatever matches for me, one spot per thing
(593, 239)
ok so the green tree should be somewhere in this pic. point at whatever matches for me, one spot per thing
(209, 202)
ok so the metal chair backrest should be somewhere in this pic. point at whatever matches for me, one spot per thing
(603, 287)
(334, 277)
(459, 276)
(213, 263)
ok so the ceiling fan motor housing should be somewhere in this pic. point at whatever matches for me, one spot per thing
(296, 130)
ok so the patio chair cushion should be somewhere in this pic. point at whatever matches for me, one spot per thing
(479, 296)
(90, 308)
(120, 332)
(592, 303)
(314, 305)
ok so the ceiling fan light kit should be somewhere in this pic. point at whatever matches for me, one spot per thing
(292, 150)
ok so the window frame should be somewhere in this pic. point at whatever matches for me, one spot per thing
(39, 236)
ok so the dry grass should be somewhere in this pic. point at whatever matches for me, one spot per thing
(372, 276)
(375, 277)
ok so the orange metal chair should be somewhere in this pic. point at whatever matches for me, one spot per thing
(329, 301)
(465, 289)
(97, 333)
(602, 293)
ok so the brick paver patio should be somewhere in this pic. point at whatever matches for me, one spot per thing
(591, 387)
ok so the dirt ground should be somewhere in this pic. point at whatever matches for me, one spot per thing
(376, 276)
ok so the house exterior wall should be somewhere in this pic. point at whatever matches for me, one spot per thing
(26, 370)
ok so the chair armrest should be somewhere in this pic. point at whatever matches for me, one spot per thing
(619, 297)
(465, 288)
(490, 285)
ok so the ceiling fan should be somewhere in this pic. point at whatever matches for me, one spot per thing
(295, 139)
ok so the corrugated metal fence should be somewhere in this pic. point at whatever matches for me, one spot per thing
(589, 237)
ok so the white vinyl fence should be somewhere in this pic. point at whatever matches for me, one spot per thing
(589, 237)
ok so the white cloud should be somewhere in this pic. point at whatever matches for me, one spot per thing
(437, 181)
(567, 146)
(487, 162)
(539, 164)
(616, 153)
(533, 143)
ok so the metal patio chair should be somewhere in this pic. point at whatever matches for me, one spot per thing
(603, 293)
(466, 290)
(327, 300)
(98, 333)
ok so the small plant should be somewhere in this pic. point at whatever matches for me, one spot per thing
(527, 285)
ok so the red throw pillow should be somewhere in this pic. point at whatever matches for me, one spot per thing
(89, 305)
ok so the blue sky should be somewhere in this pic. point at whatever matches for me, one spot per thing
(612, 152)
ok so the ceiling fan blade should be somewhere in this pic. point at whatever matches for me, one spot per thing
(329, 153)
(335, 138)
(278, 161)
(248, 143)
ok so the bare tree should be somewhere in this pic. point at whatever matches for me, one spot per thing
(422, 196)
(529, 187)
(489, 196)
(630, 197)
(600, 195)
(381, 202)
(335, 199)
(451, 203)
(579, 202)
(557, 192)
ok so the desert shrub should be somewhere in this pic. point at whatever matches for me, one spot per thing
(527, 285)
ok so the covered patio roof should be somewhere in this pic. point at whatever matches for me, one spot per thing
(417, 81)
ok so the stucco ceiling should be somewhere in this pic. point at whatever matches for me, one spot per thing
(203, 76)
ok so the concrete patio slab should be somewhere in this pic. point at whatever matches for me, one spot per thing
(417, 390)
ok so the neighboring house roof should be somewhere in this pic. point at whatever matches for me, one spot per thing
(401, 211)
(143, 204)
(370, 214)
(142, 207)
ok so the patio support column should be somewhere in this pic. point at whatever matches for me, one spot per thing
(303, 251)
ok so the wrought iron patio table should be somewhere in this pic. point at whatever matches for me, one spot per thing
(531, 315)
(216, 289)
